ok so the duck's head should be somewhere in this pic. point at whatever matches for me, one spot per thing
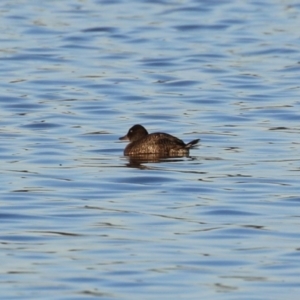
(135, 133)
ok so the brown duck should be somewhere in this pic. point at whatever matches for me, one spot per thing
(164, 144)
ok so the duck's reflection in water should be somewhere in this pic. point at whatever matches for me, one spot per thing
(137, 161)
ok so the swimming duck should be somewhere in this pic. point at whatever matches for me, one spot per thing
(141, 142)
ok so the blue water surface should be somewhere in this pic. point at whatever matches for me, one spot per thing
(79, 220)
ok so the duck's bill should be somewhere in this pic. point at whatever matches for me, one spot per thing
(124, 138)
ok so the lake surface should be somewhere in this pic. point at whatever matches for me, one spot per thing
(81, 221)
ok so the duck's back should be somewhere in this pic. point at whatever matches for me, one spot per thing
(160, 143)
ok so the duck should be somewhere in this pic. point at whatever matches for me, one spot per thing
(159, 143)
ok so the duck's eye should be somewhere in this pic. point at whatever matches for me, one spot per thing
(131, 131)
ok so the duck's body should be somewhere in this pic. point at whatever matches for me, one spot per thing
(155, 143)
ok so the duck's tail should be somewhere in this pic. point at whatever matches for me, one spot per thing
(192, 144)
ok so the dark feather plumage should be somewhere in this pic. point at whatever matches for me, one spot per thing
(161, 143)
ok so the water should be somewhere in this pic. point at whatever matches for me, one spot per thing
(79, 220)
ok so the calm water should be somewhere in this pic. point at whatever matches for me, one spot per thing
(81, 221)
